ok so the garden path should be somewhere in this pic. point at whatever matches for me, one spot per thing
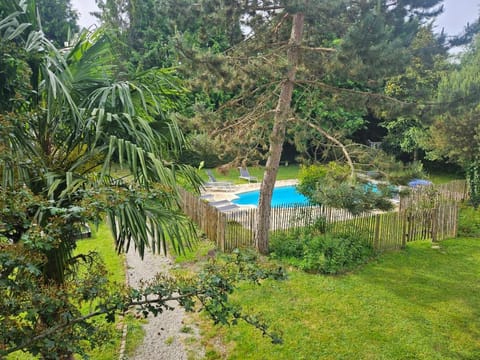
(165, 335)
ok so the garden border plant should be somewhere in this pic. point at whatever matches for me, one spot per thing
(313, 250)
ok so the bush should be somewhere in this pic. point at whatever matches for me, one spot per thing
(319, 226)
(344, 253)
(405, 173)
(321, 253)
(287, 245)
(469, 222)
(311, 177)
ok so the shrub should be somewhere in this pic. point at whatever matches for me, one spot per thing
(403, 174)
(469, 222)
(332, 186)
(284, 245)
(319, 225)
(345, 252)
(325, 254)
(311, 177)
(313, 259)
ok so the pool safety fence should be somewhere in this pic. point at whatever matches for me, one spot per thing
(429, 196)
(385, 231)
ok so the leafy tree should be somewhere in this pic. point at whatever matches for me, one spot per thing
(59, 20)
(331, 185)
(417, 85)
(454, 133)
(74, 116)
(153, 30)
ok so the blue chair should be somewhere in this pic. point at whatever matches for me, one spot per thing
(244, 174)
(214, 184)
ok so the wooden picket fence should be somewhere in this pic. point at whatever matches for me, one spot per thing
(385, 231)
(429, 196)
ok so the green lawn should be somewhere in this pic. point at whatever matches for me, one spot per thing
(284, 173)
(442, 178)
(291, 172)
(103, 242)
(420, 303)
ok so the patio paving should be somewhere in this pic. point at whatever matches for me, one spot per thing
(240, 188)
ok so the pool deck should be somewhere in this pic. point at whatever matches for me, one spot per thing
(221, 194)
(240, 188)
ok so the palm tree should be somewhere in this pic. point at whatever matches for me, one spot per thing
(70, 118)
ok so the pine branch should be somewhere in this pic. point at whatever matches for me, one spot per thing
(335, 141)
(320, 49)
(353, 91)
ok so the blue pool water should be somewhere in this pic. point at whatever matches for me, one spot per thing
(284, 195)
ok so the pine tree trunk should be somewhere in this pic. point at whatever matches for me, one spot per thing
(277, 137)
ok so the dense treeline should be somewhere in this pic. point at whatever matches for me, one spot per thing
(370, 71)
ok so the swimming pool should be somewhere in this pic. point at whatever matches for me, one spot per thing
(282, 195)
(288, 195)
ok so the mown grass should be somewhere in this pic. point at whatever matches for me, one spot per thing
(291, 172)
(284, 173)
(420, 303)
(103, 243)
(442, 178)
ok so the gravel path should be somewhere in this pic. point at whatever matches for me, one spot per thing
(164, 339)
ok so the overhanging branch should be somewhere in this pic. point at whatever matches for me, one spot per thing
(353, 91)
(336, 142)
(320, 49)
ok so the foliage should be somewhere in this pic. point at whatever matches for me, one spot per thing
(78, 118)
(473, 177)
(44, 317)
(454, 134)
(311, 177)
(339, 80)
(152, 33)
(288, 246)
(407, 129)
(77, 114)
(58, 19)
(202, 149)
(320, 253)
(330, 186)
(469, 222)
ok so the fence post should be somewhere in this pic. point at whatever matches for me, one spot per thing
(455, 217)
(221, 225)
(434, 227)
(404, 218)
(377, 231)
